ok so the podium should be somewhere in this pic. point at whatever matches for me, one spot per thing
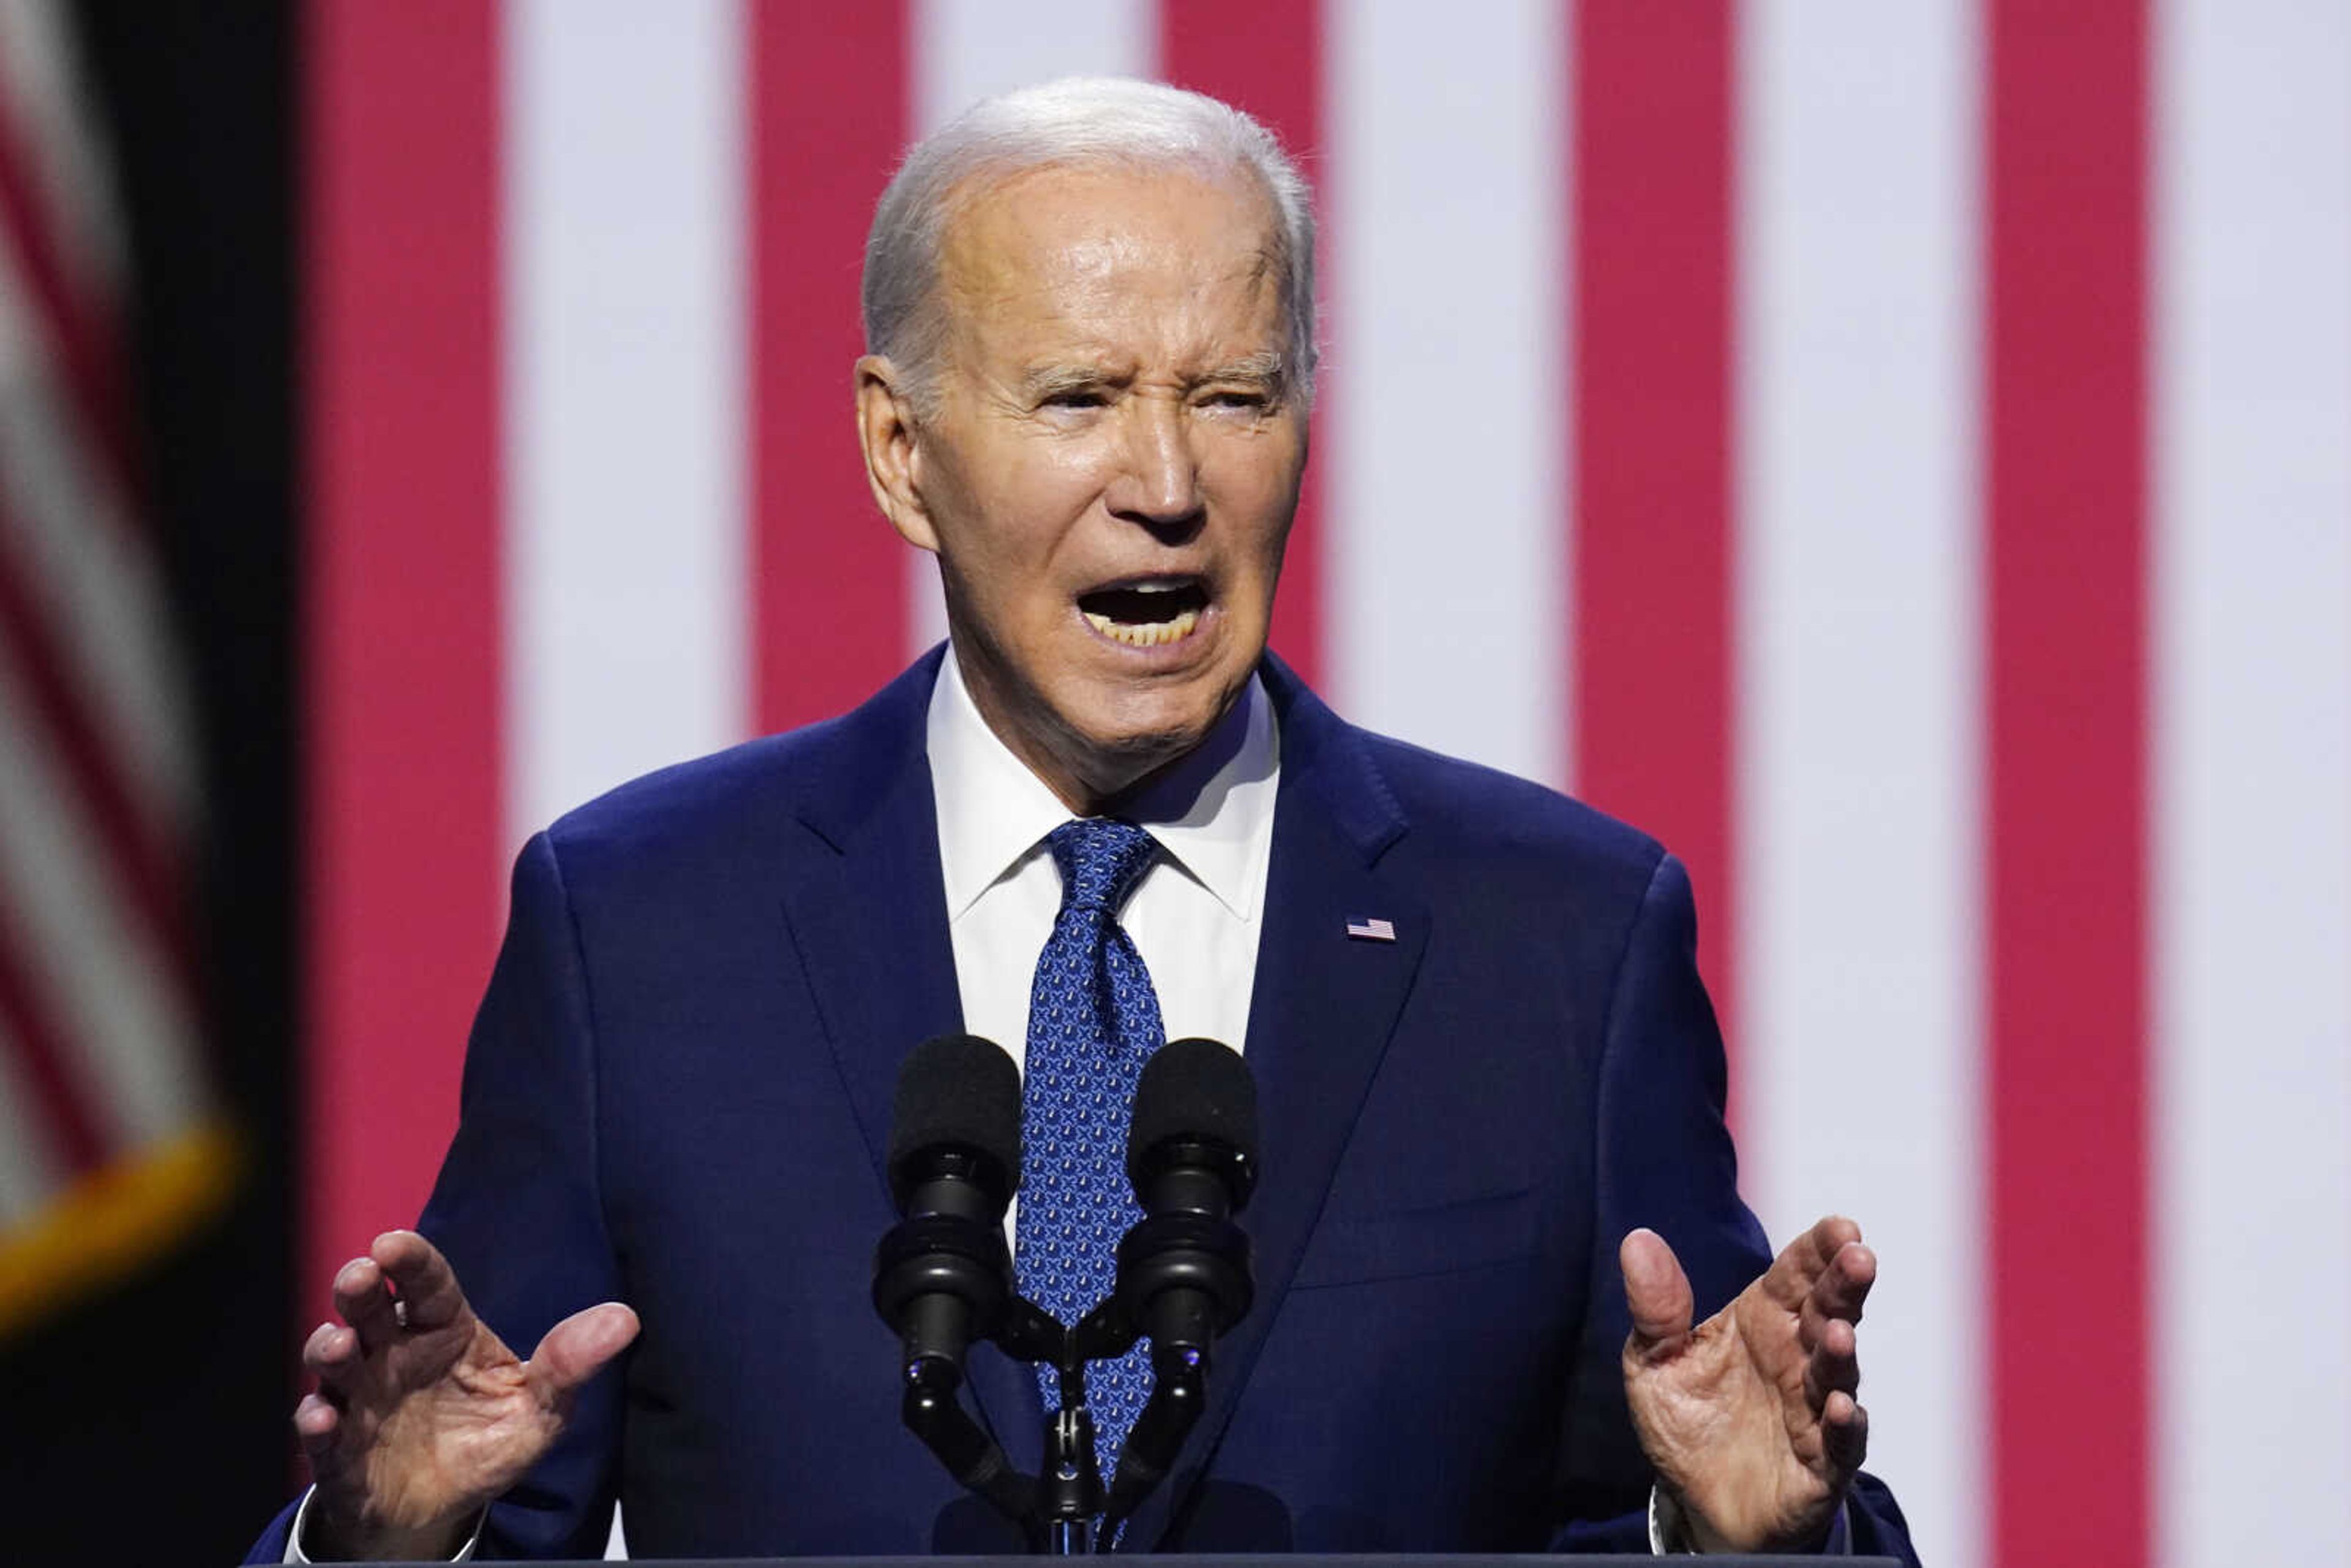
(1269, 1560)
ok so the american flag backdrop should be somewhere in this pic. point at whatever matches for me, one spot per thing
(1896, 451)
(111, 1138)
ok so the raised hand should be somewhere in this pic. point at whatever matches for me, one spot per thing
(1749, 1419)
(423, 1416)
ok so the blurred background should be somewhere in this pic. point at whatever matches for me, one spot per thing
(1896, 451)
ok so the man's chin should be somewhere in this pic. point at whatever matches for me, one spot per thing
(1118, 764)
(1122, 759)
(1093, 739)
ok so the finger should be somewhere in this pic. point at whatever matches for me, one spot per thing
(1802, 1262)
(1838, 1295)
(1844, 1433)
(316, 1421)
(580, 1346)
(1833, 1368)
(1844, 1284)
(426, 1283)
(316, 1425)
(1657, 1293)
(363, 1302)
(331, 1354)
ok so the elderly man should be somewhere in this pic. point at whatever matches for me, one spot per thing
(1491, 1083)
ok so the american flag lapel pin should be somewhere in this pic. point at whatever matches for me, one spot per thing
(1372, 930)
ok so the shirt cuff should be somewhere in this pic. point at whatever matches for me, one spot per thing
(1666, 1525)
(1664, 1522)
(294, 1553)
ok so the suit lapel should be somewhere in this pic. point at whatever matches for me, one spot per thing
(871, 925)
(869, 919)
(1320, 1015)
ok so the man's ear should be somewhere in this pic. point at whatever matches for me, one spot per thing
(890, 436)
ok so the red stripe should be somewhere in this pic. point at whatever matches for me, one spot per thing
(829, 98)
(402, 602)
(145, 866)
(83, 340)
(1652, 197)
(1265, 57)
(43, 1059)
(2066, 731)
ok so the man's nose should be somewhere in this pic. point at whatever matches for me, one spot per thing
(1158, 483)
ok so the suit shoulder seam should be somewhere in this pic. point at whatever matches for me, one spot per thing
(593, 1045)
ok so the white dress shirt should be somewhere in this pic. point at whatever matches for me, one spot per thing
(1194, 915)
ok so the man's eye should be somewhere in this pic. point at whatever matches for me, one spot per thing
(1234, 398)
(1086, 397)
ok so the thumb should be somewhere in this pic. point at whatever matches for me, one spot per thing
(576, 1349)
(1657, 1293)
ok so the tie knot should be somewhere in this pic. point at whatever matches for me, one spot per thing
(1101, 859)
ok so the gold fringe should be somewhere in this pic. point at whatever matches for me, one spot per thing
(112, 1221)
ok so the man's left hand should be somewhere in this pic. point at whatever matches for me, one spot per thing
(1749, 1419)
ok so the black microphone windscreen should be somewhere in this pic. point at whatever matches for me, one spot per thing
(1194, 1087)
(962, 1091)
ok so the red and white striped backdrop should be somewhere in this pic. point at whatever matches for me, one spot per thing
(1900, 454)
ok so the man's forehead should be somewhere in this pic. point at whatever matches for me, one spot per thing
(1087, 266)
(1081, 225)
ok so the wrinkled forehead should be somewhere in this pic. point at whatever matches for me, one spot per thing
(1090, 248)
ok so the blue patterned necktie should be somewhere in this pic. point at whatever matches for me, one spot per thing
(1092, 1021)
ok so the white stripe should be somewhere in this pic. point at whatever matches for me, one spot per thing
(31, 1174)
(2252, 779)
(625, 543)
(128, 1029)
(966, 50)
(81, 554)
(1858, 712)
(1443, 465)
(41, 80)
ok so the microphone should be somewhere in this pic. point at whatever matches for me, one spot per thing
(942, 1276)
(1195, 1119)
(1191, 1153)
(1184, 1270)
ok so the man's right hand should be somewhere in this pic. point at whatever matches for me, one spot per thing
(423, 1416)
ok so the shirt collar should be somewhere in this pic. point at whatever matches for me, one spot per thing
(1212, 813)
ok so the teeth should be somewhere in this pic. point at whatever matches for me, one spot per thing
(1148, 633)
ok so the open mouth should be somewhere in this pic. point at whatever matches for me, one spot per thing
(1146, 613)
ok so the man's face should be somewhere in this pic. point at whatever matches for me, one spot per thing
(1110, 469)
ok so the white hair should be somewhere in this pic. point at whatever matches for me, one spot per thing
(1077, 121)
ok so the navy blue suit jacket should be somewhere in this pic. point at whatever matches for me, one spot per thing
(678, 1093)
